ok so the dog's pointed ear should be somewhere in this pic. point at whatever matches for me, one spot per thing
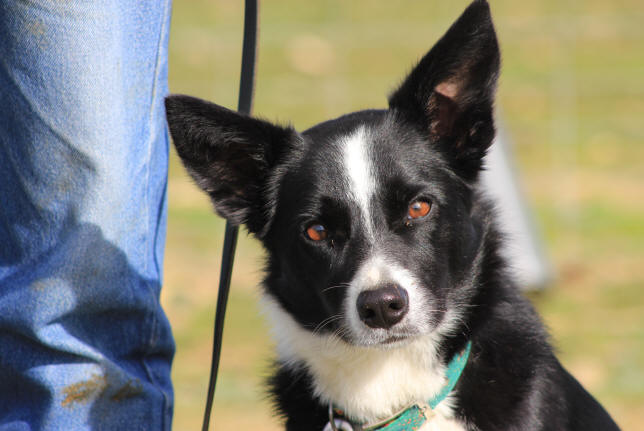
(231, 156)
(450, 93)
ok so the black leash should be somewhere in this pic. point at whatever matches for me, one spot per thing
(246, 84)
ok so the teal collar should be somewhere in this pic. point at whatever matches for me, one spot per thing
(411, 418)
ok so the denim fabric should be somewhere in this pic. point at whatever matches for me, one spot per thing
(84, 343)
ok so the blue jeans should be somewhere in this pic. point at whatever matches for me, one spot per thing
(84, 343)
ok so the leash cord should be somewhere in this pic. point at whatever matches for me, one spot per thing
(246, 85)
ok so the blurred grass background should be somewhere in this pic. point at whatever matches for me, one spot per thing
(571, 98)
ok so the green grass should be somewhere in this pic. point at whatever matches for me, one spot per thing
(571, 98)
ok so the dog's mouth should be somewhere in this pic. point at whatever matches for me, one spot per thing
(382, 338)
(394, 339)
(377, 338)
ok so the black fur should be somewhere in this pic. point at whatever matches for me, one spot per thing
(428, 145)
(229, 155)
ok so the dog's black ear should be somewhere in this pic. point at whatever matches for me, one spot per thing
(450, 93)
(231, 156)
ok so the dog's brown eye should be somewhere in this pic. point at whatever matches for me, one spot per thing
(316, 232)
(418, 209)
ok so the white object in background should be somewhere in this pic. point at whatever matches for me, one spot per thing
(523, 247)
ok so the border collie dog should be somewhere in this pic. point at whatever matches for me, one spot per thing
(385, 287)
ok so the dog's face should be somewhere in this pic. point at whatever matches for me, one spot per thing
(366, 218)
(370, 234)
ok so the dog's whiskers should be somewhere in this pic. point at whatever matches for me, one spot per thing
(335, 286)
(327, 321)
(337, 336)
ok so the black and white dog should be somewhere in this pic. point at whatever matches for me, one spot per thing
(383, 257)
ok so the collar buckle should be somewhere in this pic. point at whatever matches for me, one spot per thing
(339, 424)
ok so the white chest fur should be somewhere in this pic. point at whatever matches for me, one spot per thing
(441, 423)
(368, 384)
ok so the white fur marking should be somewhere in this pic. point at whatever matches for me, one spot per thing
(368, 383)
(442, 423)
(359, 172)
(375, 271)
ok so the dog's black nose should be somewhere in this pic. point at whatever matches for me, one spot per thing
(383, 307)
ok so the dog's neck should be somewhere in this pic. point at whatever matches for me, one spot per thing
(368, 384)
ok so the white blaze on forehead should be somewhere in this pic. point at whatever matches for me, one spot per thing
(359, 172)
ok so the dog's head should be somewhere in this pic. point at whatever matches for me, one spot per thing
(367, 219)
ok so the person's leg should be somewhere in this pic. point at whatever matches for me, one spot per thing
(84, 343)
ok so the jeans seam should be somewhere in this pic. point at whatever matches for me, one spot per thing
(151, 140)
